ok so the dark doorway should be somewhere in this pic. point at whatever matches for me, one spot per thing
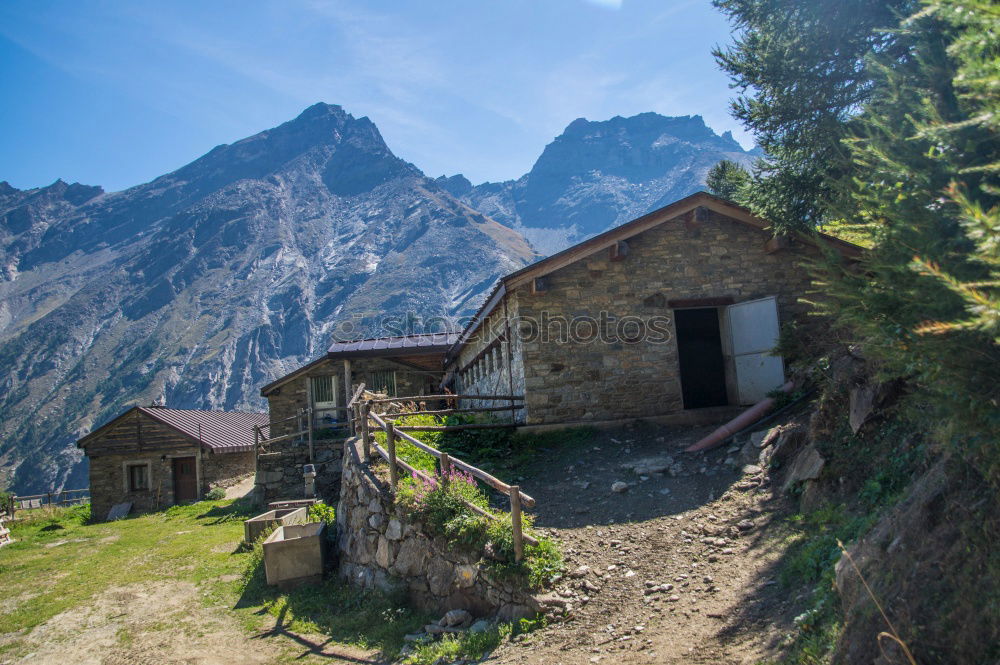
(699, 349)
(185, 480)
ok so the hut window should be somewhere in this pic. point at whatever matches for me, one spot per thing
(138, 477)
(324, 391)
(382, 381)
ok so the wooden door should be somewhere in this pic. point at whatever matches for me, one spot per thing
(185, 479)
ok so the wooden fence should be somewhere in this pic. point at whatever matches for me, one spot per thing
(364, 417)
(49, 499)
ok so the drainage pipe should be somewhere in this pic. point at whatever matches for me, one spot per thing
(738, 423)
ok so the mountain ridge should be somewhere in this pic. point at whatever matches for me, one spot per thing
(199, 286)
(203, 284)
(598, 174)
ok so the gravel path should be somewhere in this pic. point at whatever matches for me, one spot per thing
(673, 568)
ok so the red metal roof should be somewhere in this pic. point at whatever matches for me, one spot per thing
(220, 431)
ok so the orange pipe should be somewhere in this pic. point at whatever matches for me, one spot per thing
(745, 419)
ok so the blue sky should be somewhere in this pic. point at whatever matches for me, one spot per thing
(117, 93)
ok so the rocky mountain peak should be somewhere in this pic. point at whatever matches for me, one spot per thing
(598, 174)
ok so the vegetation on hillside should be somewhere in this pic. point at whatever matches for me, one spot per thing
(441, 503)
(880, 123)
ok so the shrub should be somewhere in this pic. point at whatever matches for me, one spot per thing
(321, 512)
(216, 494)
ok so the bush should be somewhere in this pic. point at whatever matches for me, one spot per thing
(321, 512)
(216, 494)
(440, 504)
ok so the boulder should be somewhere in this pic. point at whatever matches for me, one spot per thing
(394, 531)
(649, 465)
(383, 553)
(456, 618)
(807, 466)
(440, 574)
(862, 405)
(411, 558)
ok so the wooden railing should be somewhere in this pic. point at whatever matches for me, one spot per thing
(364, 416)
(33, 501)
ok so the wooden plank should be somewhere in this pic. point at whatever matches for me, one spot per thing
(390, 443)
(357, 394)
(284, 437)
(452, 428)
(444, 412)
(492, 481)
(515, 520)
(424, 398)
(418, 443)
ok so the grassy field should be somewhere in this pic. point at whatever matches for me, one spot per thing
(170, 585)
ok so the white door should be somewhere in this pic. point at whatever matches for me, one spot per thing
(325, 396)
(752, 334)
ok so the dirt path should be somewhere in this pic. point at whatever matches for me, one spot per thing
(672, 570)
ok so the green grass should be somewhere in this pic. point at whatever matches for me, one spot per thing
(470, 646)
(61, 561)
(70, 560)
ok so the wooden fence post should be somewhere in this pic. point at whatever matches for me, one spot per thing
(309, 423)
(366, 436)
(445, 467)
(390, 444)
(515, 519)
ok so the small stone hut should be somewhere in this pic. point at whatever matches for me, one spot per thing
(669, 314)
(403, 365)
(154, 457)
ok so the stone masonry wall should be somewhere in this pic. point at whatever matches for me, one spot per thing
(225, 469)
(108, 483)
(279, 471)
(377, 549)
(568, 381)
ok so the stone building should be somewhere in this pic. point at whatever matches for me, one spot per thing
(404, 365)
(672, 312)
(155, 457)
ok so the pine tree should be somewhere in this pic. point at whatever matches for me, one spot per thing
(726, 179)
(891, 122)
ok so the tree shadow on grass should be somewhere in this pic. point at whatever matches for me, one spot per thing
(343, 614)
(241, 509)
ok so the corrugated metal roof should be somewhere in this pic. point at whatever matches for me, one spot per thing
(425, 341)
(221, 431)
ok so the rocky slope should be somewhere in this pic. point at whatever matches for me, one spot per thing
(597, 175)
(204, 284)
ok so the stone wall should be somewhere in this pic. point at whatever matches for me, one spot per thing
(377, 549)
(279, 470)
(223, 469)
(571, 380)
(108, 482)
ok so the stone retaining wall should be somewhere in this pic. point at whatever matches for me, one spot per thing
(378, 549)
(279, 471)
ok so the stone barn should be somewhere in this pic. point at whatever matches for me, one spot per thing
(155, 457)
(669, 314)
(398, 366)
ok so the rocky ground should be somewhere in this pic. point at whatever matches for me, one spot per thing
(669, 555)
